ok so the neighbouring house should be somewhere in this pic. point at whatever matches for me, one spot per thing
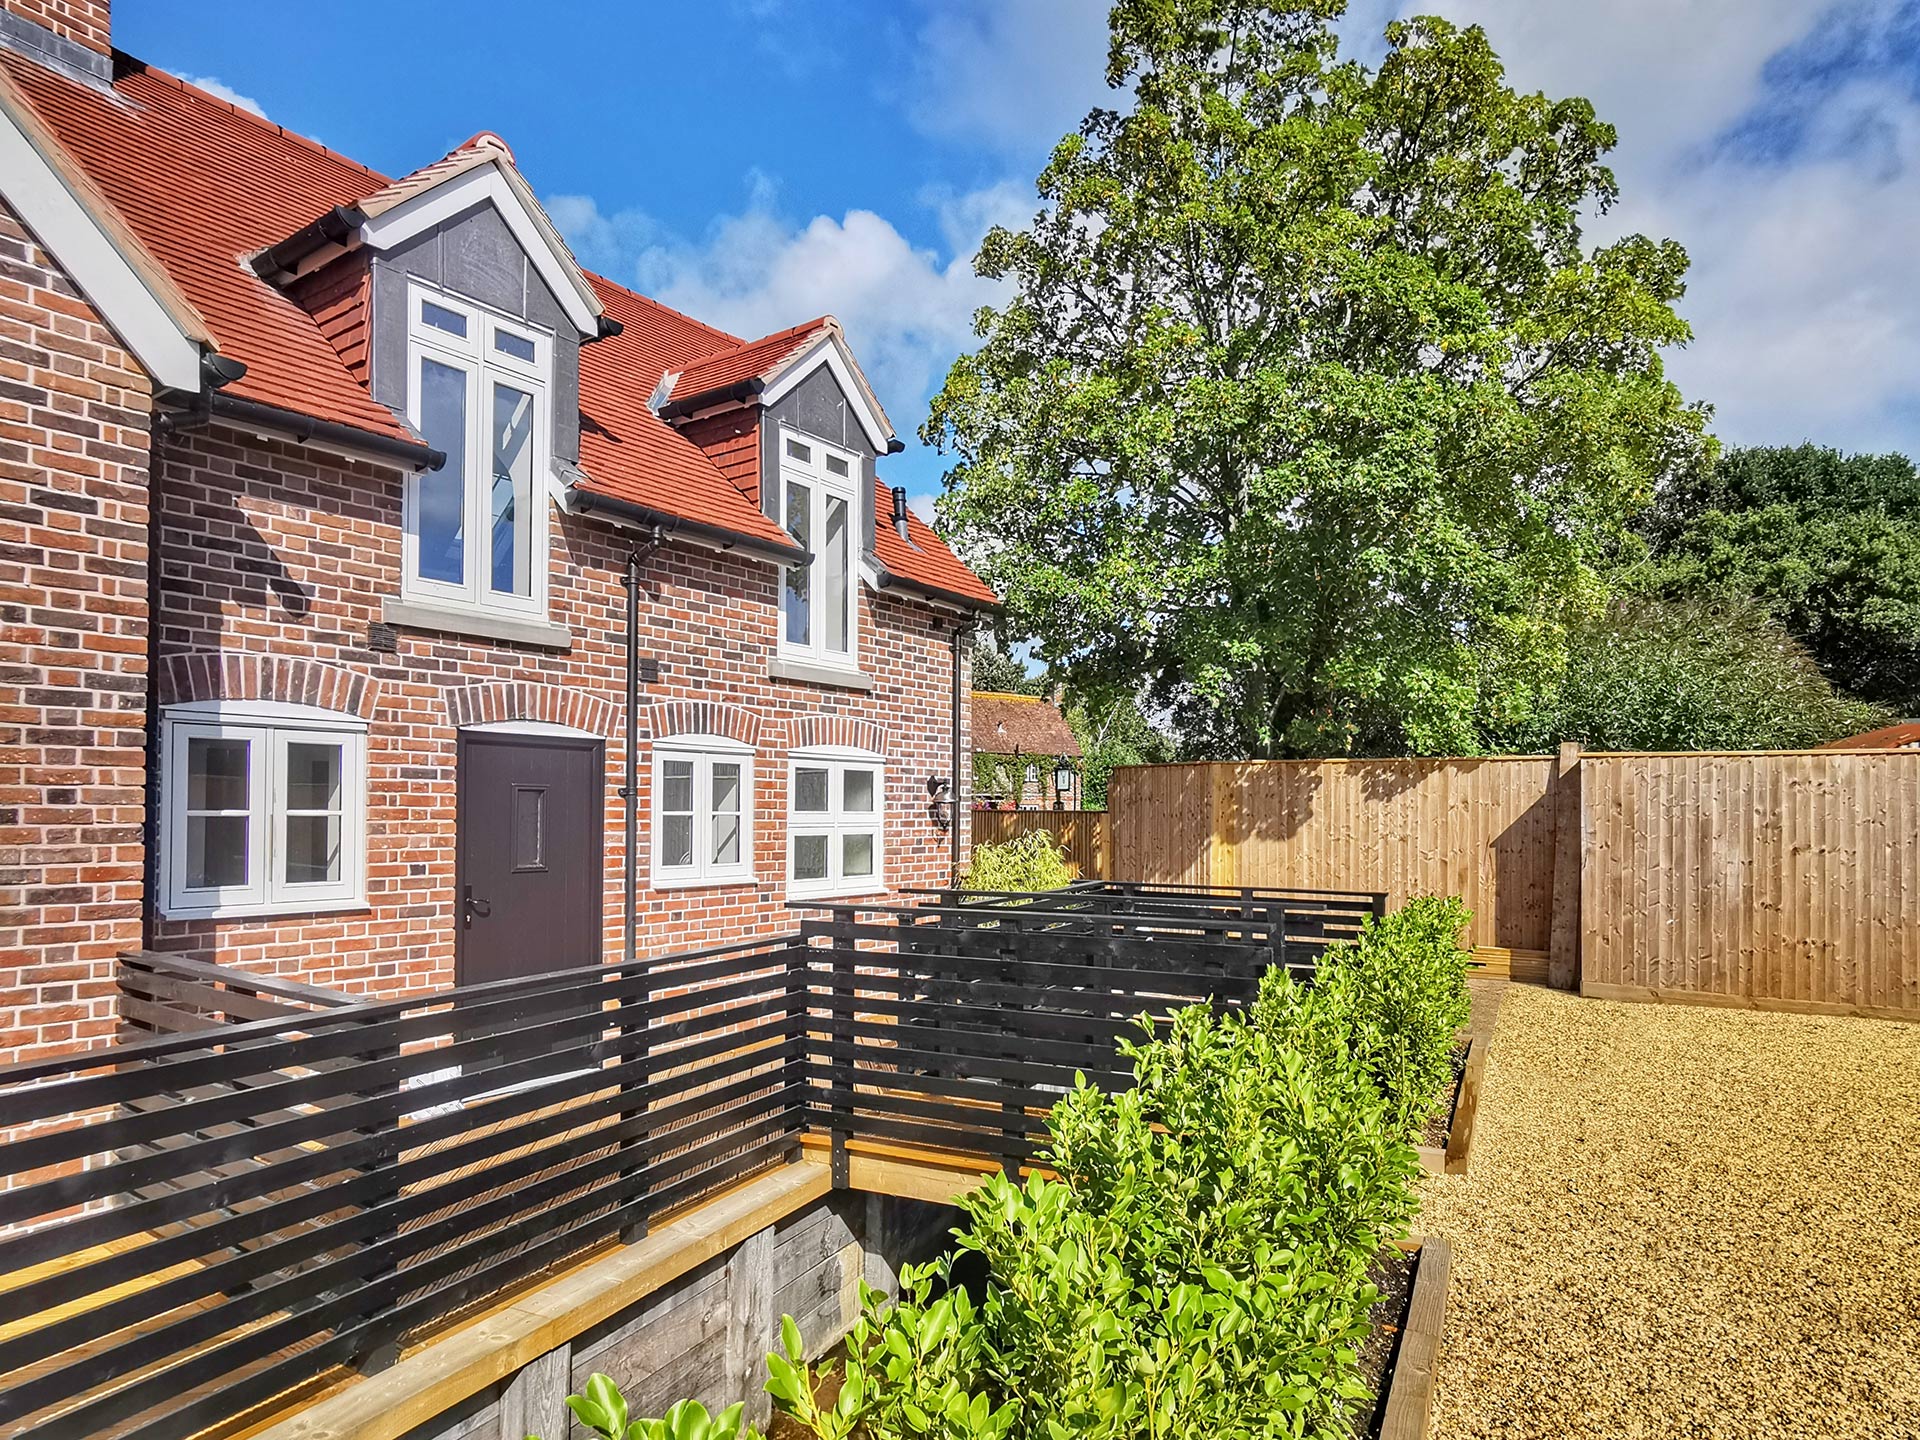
(321, 491)
(1904, 736)
(1025, 756)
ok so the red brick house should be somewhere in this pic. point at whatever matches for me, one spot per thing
(319, 493)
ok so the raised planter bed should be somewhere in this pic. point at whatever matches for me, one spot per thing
(1446, 1148)
(1406, 1393)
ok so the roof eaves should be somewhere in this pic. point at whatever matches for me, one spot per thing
(116, 268)
(885, 579)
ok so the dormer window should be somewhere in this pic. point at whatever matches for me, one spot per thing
(476, 529)
(819, 616)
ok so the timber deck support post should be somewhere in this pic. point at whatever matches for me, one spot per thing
(753, 1326)
(535, 1399)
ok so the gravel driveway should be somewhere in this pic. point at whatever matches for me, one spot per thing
(1684, 1221)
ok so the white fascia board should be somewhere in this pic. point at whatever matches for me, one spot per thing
(113, 286)
(829, 352)
(462, 192)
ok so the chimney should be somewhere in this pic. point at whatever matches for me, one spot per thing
(74, 37)
(900, 510)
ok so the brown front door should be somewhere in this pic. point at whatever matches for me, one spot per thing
(530, 865)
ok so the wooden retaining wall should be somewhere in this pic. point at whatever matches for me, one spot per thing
(1778, 879)
(1081, 833)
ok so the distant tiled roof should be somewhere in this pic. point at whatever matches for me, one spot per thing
(1025, 724)
(1904, 736)
(205, 187)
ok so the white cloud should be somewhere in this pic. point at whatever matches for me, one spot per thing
(220, 90)
(1012, 74)
(907, 310)
(1806, 323)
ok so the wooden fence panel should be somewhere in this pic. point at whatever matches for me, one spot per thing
(1784, 881)
(1483, 829)
(1081, 833)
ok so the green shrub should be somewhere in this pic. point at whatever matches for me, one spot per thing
(1400, 995)
(1033, 861)
(1199, 1268)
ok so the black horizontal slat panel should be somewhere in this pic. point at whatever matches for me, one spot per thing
(302, 1190)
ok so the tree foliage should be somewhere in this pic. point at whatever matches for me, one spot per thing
(1828, 543)
(1308, 394)
(1647, 674)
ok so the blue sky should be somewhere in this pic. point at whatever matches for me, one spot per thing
(760, 161)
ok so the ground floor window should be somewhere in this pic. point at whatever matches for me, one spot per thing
(702, 811)
(834, 823)
(265, 809)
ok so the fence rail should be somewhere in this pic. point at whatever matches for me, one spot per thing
(253, 1204)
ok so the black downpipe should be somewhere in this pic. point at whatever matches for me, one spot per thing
(962, 632)
(630, 791)
(164, 425)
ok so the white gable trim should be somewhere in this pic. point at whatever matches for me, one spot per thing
(831, 352)
(113, 285)
(488, 183)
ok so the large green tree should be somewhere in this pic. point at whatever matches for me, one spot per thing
(1308, 397)
(1828, 543)
(1701, 674)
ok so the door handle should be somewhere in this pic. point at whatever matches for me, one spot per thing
(472, 907)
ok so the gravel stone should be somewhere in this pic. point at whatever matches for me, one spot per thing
(1683, 1221)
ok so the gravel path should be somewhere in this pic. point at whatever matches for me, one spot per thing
(1681, 1222)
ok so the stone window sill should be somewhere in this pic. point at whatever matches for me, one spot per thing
(813, 673)
(412, 615)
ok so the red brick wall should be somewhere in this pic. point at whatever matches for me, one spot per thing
(74, 412)
(272, 550)
(85, 22)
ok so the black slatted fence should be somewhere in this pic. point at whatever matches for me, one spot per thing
(312, 1184)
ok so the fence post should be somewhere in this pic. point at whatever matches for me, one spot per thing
(842, 1029)
(799, 1039)
(638, 1062)
(1563, 935)
(1013, 1114)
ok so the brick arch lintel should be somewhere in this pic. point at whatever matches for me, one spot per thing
(202, 675)
(806, 732)
(503, 700)
(703, 717)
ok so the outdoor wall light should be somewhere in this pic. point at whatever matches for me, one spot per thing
(940, 787)
(1062, 784)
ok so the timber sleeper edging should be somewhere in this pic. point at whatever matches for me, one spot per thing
(1408, 1406)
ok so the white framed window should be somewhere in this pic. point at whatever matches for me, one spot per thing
(819, 505)
(702, 811)
(477, 388)
(836, 802)
(265, 809)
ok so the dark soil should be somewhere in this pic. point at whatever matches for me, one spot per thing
(1440, 1123)
(1392, 1275)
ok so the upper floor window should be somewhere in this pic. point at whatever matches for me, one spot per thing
(265, 809)
(819, 490)
(476, 529)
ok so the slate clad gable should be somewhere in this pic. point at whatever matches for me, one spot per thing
(476, 256)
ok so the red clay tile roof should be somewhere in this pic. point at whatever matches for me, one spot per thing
(205, 186)
(629, 452)
(744, 359)
(932, 563)
(1904, 736)
(1025, 724)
